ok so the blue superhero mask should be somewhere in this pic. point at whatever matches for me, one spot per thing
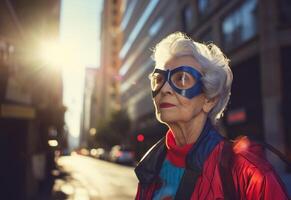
(184, 80)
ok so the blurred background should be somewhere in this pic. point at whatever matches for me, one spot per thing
(76, 112)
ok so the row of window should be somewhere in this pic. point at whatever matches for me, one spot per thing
(285, 12)
(238, 26)
(138, 27)
(205, 7)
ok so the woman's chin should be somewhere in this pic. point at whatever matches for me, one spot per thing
(167, 119)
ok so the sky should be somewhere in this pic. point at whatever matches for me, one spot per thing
(79, 33)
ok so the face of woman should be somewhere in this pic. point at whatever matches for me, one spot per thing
(172, 107)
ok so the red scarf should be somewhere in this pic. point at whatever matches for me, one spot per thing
(176, 154)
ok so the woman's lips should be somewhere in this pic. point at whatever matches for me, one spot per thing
(166, 105)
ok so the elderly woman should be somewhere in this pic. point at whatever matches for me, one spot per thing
(191, 86)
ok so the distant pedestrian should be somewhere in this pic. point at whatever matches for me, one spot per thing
(191, 86)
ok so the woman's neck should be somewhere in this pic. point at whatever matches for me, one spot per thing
(188, 133)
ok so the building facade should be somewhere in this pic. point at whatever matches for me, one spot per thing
(107, 85)
(31, 109)
(144, 23)
(89, 111)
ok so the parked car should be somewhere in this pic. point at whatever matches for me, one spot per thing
(99, 153)
(122, 155)
(82, 151)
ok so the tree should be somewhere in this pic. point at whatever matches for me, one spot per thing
(113, 131)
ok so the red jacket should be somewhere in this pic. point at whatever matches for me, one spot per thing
(253, 177)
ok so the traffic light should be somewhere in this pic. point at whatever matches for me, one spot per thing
(140, 137)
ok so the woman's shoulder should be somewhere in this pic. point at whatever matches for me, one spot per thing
(253, 173)
(249, 156)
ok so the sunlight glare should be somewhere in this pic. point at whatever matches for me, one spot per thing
(56, 54)
(80, 34)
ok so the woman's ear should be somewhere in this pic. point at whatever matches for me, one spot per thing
(209, 104)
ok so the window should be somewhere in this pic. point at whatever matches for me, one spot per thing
(155, 28)
(285, 12)
(241, 25)
(187, 17)
(127, 14)
(246, 85)
(138, 27)
(204, 6)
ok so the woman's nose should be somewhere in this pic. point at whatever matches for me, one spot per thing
(167, 89)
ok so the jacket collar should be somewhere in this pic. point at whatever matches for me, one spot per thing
(150, 165)
(203, 147)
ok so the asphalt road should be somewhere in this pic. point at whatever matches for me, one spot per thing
(85, 178)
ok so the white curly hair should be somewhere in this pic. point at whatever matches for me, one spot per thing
(217, 75)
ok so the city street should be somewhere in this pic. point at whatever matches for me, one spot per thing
(91, 179)
(86, 81)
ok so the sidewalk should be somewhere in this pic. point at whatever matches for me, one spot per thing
(67, 186)
(47, 189)
(59, 192)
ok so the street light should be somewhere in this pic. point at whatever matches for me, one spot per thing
(140, 137)
(53, 143)
(92, 131)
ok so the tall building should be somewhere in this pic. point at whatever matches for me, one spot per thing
(255, 35)
(108, 84)
(31, 109)
(144, 23)
(89, 111)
